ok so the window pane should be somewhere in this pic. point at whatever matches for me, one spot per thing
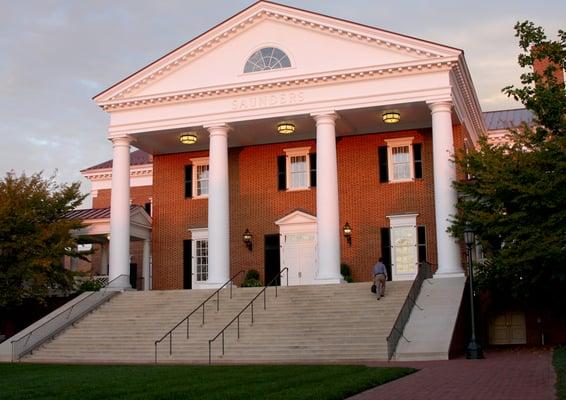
(266, 59)
(401, 162)
(298, 172)
(202, 260)
(202, 180)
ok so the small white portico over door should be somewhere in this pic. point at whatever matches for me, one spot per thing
(297, 232)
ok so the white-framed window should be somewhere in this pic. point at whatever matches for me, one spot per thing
(200, 255)
(400, 159)
(200, 177)
(266, 59)
(298, 168)
(404, 246)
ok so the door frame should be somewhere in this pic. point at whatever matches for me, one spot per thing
(298, 222)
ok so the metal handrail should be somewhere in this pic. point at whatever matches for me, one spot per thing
(64, 315)
(250, 304)
(201, 305)
(424, 272)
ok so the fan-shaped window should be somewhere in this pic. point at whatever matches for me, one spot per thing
(266, 59)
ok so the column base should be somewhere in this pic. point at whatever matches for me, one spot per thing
(328, 280)
(121, 283)
(449, 275)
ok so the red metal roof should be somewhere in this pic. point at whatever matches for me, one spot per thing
(94, 213)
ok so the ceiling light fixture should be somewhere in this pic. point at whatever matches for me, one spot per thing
(391, 117)
(188, 138)
(286, 128)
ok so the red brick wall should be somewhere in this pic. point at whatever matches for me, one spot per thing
(255, 203)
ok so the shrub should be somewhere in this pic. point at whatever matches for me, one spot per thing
(346, 272)
(252, 279)
(90, 286)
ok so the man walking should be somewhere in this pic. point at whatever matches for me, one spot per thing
(379, 278)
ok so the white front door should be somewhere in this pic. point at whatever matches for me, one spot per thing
(299, 257)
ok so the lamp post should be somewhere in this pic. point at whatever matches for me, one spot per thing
(473, 351)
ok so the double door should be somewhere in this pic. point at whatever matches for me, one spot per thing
(298, 255)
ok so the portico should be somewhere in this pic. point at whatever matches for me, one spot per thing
(327, 98)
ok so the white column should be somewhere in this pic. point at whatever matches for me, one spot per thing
(218, 207)
(445, 197)
(145, 264)
(120, 214)
(327, 212)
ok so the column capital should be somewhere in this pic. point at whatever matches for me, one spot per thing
(325, 117)
(440, 106)
(218, 129)
(121, 140)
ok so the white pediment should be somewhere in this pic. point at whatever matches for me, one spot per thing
(296, 218)
(316, 45)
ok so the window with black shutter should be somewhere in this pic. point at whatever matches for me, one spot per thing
(187, 264)
(313, 169)
(281, 172)
(188, 181)
(421, 243)
(418, 160)
(383, 164)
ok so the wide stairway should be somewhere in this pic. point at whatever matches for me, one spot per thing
(322, 323)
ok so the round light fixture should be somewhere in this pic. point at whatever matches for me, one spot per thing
(391, 117)
(286, 128)
(188, 138)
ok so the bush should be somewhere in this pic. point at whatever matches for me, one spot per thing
(90, 286)
(346, 272)
(252, 279)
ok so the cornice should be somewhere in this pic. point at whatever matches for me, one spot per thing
(297, 82)
(106, 173)
(225, 31)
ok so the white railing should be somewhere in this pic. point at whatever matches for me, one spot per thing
(68, 315)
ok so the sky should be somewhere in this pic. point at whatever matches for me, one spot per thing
(55, 55)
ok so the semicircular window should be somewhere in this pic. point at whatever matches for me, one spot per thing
(266, 59)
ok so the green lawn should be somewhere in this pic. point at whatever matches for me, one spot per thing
(82, 382)
(559, 361)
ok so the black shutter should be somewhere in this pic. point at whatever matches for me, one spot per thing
(313, 169)
(187, 264)
(421, 239)
(418, 159)
(188, 181)
(386, 250)
(281, 172)
(382, 159)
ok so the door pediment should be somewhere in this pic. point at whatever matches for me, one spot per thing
(297, 217)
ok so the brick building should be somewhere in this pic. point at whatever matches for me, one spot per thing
(257, 127)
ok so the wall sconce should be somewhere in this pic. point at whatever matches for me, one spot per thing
(285, 128)
(247, 238)
(347, 229)
(391, 117)
(188, 138)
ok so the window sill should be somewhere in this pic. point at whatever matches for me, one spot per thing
(298, 189)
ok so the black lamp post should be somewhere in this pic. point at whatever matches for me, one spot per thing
(474, 351)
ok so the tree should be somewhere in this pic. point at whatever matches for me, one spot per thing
(35, 236)
(516, 199)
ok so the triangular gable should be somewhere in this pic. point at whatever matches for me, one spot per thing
(339, 45)
(296, 217)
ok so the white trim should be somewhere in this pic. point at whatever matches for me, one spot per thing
(198, 235)
(297, 152)
(400, 142)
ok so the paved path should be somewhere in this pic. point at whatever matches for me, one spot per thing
(512, 374)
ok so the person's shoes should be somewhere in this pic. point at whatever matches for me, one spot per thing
(378, 298)
(382, 295)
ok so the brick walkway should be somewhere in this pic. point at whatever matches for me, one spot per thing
(511, 374)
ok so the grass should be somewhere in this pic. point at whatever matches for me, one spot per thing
(29, 381)
(559, 361)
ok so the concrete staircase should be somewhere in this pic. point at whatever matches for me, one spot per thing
(321, 323)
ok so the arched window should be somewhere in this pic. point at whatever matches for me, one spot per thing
(266, 59)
